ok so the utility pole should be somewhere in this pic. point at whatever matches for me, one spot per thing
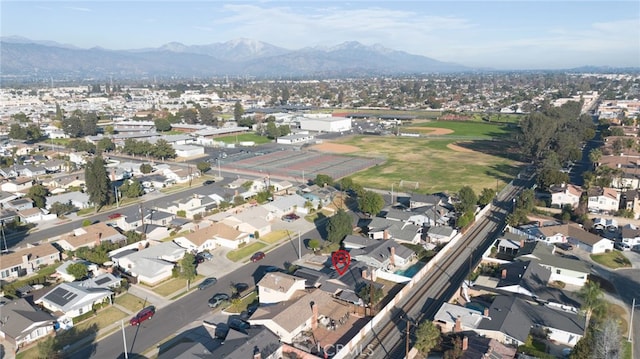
(299, 246)
(115, 189)
(144, 233)
(406, 350)
(4, 239)
(633, 307)
(124, 340)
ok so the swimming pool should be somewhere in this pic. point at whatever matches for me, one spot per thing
(411, 271)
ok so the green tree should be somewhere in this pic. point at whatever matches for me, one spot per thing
(486, 196)
(238, 111)
(48, 348)
(188, 268)
(314, 244)
(133, 236)
(146, 168)
(364, 293)
(370, 202)
(163, 149)
(97, 182)
(17, 132)
(467, 200)
(134, 188)
(339, 226)
(60, 209)
(203, 167)
(77, 270)
(428, 336)
(592, 300)
(105, 145)
(38, 193)
(322, 180)
(272, 130)
(162, 124)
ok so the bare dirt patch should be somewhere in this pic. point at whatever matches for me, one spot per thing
(334, 148)
(436, 131)
(455, 147)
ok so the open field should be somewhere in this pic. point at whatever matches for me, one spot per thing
(419, 114)
(434, 163)
(244, 137)
(467, 128)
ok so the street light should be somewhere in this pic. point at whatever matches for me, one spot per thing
(633, 307)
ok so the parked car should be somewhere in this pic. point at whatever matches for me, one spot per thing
(257, 256)
(144, 314)
(271, 269)
(290, 217)
(218, 299)
(239, 324)
(198, 259)
(206, 255)
(621, 246)
(241, 287)
(208, 182)
(564, 246)
(208, 282)
(115, 215)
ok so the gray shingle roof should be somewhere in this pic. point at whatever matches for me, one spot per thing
(20, 315)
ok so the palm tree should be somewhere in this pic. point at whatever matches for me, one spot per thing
(591, 294)
(595, 155)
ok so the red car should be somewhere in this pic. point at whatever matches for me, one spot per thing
(115, 215)
(257, 256)
(144, 314)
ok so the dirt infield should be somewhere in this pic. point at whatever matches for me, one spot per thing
(334, 148)
(436, 131)
(455, 147)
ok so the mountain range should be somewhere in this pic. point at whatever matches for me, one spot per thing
(22, 58)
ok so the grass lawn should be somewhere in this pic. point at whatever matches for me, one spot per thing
(613, 259)
(245, 251)
(275, 236)
(243, 304)
(466, 128)
(619, 312)
(130, 302)
(244, 137)
(173, 285)
(420, 114)
(313, 216)
(104, 318)
(434, 164)
(626, 350)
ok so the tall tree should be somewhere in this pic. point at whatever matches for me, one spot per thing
(486, 196)
(339, 226)
(38, 193)
(607, 340)
(188, 268)
(322, 180)
(238, 111)
(203, 167)
(427, 337)
(370, 202)
(467, 200)
(77, 270)
(97, 182)
(592, 298)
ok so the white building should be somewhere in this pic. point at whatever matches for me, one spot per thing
(325, 123)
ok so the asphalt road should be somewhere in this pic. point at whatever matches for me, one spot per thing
(627, 283)
(188, 309)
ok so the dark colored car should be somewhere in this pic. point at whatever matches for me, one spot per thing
(564, 246)
(290, 217)
(198, 259)
(144, 314)
(271, 269)
(218, 299)
(257, 256)
(115, 215)
(208, 182)
(241, 287)
(206, 255)
(207, 283)
(238, 324)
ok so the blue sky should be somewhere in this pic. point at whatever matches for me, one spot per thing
(497, 34)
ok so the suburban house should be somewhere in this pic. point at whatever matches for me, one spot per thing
(603, 199)
(319, 196)
(251, 220)
(282, 205)
(194, 205)
(78, 199)
(132, 218)
(154, 180)
(210, 237)
(20, 184)
(30, 171)
(35, 215)
(510, 319)
(525, 277)
(26, 261)
(565, 194)
(58, 184)
(306, 311)
(385, 254)
(20, 204)
(62, 272)
(630, 200)
(630, 235)
(90, 236)
(420, 200)
(22, 324)
(441, 234)
(605, 224)
(567, 270)
(278, 287)
(150, 265)
(179, 174)
(382, 228)
(73, 299)
(571, 233)
(509, 242)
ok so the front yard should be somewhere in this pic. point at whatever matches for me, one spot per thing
(173, 285)
(131, 302)
(245, 251)
(275, 236)
(613, 259)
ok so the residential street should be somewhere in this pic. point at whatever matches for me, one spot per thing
(188, 309)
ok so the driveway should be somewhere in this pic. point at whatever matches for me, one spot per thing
(219, 265)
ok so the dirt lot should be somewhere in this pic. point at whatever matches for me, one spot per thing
(455, 147)
(437, 131)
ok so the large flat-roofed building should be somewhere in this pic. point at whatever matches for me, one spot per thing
(325, 123)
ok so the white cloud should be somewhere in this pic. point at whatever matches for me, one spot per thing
(76, 8)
